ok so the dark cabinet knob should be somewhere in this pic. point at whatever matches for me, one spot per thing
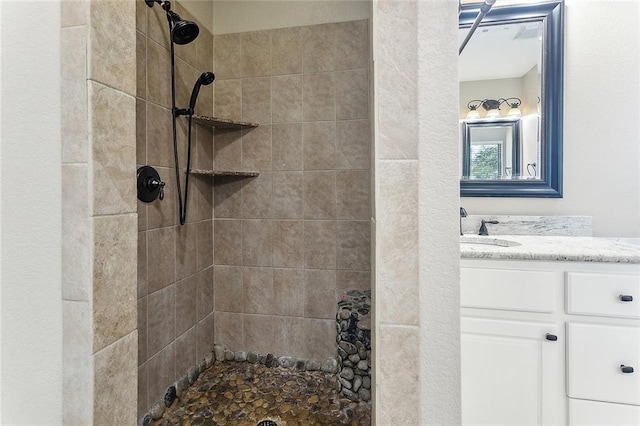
(551, 337)
(626, 298)
(627, 369)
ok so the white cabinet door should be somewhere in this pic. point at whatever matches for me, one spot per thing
(594, 413)
(511, 373)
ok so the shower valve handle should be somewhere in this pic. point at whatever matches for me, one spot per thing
(154, 184)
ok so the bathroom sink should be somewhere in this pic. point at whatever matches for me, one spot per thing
(490, 241)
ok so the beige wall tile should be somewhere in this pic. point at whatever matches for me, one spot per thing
(143, 288)
(227, 150)
(77, 363)
(286, 51)
(142, 216)
(228, 242)
(159, 138)
(319, 141)
(228, 100)
(352, 45)
(319, 98)
(320, 244)
(288, 195)
(157, 28)
(113, 143)
(228, 197)
(318, 48)
(287, 146)
(206, 336)
(399, 302)
(352, 280)
(291, 337)
(203, 149)
(143, 390)
(185, 304)
(161, 258)
(115, 383)
(141, 65)
(288, 243)
(229, 330)
(141, 16)
(143, 326)
(320, 293)
(162, 373)
(397, 221)
(256, 100)
(256, 242)
(141, 132)
(186, 76)
(161, 213)
(256, 149)
(286, 98)
(399, 390)
(228, 56)
(159, 74)
(353, 144)
(73, 69)
(257, 197)
(204, 297)
(185, 250)
(204, 241)
(323, 345)
(161, 314)
(258, 290)
(259, 333)
(74, 13)
(186, 351)
(201, 192)
(288, 292)
(256, 54)
(352, 94)
(353, 245)
(114, 278)
(320, 195)
(76, 233)
(204, 51)
(204, 106)
(112, 35)
(353, 189)
(228, 289)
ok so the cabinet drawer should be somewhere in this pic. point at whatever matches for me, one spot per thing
(512, 290)
(592, 413)
(595, 354)
(600, 294)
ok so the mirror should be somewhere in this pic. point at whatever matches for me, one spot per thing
(511, 101)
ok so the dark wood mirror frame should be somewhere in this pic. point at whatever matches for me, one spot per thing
(550, 183)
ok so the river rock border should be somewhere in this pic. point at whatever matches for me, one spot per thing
(353, 323)
(222, 354)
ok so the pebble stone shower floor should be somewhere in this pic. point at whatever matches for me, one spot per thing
(244, 394)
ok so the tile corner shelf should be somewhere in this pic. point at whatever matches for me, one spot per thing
(223, 123)
(219, 173)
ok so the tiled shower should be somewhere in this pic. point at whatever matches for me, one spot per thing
(261, 262)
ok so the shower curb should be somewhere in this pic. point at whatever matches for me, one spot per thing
(220, 354)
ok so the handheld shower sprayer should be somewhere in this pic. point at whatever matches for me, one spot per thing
(205, 79)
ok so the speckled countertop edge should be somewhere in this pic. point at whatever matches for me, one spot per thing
(553, 248)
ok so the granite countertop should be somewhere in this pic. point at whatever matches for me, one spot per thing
(549, 248)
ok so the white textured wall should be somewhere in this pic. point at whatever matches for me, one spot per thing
(601, 122)
(31, 306)
(438, 214)
(239, 16)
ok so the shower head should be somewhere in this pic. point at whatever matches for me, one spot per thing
(205, 79)
(182, 31)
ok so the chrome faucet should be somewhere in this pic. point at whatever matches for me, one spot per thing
(483, 227)
(463, 213)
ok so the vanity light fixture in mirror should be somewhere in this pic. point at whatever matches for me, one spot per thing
(517, 51)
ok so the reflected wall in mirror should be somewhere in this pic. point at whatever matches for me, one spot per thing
(511, 84)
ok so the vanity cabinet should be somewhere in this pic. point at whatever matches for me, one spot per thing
(548, 343)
